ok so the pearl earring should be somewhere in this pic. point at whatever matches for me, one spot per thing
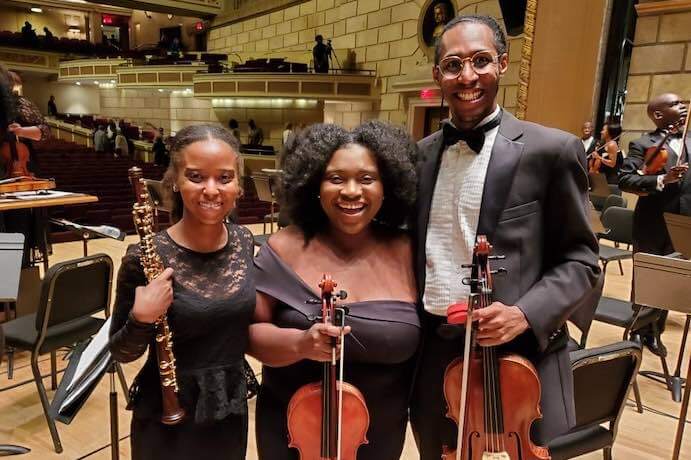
(175, 188)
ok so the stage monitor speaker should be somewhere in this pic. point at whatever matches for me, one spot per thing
(513, 12)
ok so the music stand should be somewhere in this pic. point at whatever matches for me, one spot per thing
(665, 282)
(11, 251)
(88, 363)
(86, 231)
(679, 229)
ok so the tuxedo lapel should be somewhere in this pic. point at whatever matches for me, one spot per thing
(506, 155)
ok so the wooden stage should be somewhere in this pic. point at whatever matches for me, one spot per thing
(646, 436)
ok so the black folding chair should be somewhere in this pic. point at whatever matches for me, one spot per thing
(619, 224)
(611, 370)
(71, 292)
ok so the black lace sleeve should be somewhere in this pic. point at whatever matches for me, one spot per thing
(29, 115)
(128, 337)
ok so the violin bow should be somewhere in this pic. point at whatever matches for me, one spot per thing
(683, 140)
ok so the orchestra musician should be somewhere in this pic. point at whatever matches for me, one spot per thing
(589, 142)
(608, 154)
(667, 191)
(524, 186)
(207, 291)
(347, 195)
(23, 122)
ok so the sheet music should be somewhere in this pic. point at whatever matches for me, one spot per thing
(40, 195)
(92, 356)
(85, 383)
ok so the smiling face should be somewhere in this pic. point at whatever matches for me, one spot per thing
(208, 181)
(471, 97)
(351, 190)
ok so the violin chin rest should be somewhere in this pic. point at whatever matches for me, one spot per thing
(451, 331)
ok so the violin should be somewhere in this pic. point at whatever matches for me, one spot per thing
(655, 158)
(493, 398)
(15, 155)
(328, 420)
(595, 162)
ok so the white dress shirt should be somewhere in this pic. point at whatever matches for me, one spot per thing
(587, 142)
(453, 221)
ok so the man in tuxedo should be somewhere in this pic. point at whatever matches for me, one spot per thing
(587, 137)
(667, 191)
(525, 187)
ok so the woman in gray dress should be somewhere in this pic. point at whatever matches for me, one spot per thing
(348, 196)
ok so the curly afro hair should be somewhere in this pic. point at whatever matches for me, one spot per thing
(305, 161)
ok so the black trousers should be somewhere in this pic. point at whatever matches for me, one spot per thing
(431, 428)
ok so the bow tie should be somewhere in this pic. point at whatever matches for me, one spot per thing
(475, 138)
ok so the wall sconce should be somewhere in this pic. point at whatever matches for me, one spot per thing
(147, 14)
(170, 16)
(74, 30)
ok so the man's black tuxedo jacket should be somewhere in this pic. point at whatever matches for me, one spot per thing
(534, 213)
(649, 229)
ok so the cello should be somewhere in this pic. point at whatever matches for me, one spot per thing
(328, 420)
(493, 398)
(15, 155)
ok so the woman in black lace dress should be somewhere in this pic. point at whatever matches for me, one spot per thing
(208, 293)
(347, 194)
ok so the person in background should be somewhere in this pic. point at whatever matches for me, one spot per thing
(49, 35)
(121, 147)
(52, 107)
(288, 134)
(161, 157)
(256, 134)
(234, 128)
(320, 55)
(612, 158)
(110, 136)
(587, 137)
(100, 139)
(669, 190)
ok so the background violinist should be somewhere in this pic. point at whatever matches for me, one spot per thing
(667, 191)
(608, 153)
(21, 118)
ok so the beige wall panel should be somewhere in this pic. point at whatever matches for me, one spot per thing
(169, 77)
(675, 27)
(636, 118)
(657, 58)
(353, 89)
(284, 87)
(637, 88)
(317, 88)
(563, 78)
(679, 84)
(146, 77)
(251, 86)
(205, 87)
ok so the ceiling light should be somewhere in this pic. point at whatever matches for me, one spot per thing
(74, 29)
(36, 9)
(95, 83)
(78, 84)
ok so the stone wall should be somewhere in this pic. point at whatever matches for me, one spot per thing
(661, 62)
(379, 35)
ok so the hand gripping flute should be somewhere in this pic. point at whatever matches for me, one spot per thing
(142, 212)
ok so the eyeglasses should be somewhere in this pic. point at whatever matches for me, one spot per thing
(452, 66)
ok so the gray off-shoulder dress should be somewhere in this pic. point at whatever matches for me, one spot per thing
(379, 363)
(213, 305)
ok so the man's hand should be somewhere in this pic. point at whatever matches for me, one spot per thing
(675, 174)
(499, 324)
